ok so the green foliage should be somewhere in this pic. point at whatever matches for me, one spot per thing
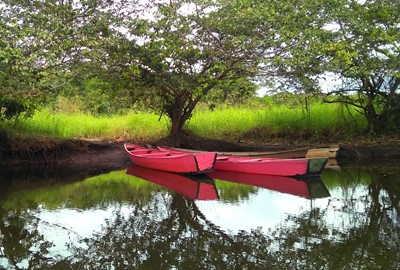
(186, 54)
(357, 41)
(260, 121)
(11, 107)
(94, 95)
(98, 96)
(327, 122)
(42, 40)
(365, 52)
(233, 92)
(109, 59)
(68, 105)
(17, 76)
(133, 126)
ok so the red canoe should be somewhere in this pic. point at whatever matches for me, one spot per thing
(196, 187)
(310, 189)
(171, 161)
(302, 167)
(306, 152)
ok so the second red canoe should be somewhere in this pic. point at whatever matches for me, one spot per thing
(301, 167)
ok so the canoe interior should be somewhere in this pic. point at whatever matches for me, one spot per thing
(306, 152)
(171, 161)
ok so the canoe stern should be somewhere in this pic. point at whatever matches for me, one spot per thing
(316, 165)
(206, 161)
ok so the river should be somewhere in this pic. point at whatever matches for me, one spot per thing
(55, 218)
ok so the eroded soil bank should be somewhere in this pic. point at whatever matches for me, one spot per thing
(110, 155)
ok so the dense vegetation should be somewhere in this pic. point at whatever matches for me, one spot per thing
(167, 58)
(264, 119)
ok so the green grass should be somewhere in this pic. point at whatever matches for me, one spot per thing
(229, 123)
(277, 121)
(133, 126)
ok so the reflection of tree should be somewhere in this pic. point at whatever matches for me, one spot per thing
(20, 241)
(370, 241)
(359, 231)
(178, 236)
(171, 232)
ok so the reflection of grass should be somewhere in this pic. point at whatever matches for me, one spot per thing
(95, 191)
(350, 177)
(101, 190)
(115, 186)
(234, 192)
(347, 177)
(118, 187)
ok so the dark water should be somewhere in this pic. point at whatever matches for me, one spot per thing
(59, 219)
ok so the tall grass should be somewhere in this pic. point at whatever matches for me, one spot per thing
(133, 126)
(276, 121)
(228, 123)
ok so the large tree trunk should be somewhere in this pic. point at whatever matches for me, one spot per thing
(176, 125)
(177, 136)
(175, 113)
(178, 116)
(179, 111)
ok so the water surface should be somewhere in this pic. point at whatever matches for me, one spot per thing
(137, 219)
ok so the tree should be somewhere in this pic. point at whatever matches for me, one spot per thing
(231, 93)
(44, 39)
(17, 74)
(187, 49)
(358, 41)
(365, 52)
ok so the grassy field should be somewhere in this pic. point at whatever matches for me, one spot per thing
(237, 124)
(135, 126)
(227, 123)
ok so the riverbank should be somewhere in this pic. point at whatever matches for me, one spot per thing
(110, 155)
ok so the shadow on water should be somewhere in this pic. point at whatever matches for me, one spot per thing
(136, 219)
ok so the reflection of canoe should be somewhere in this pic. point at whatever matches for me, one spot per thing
(171, 161)
(301, 167)
(332, 164)
(310, 188)
(327, 152)
(195, 187)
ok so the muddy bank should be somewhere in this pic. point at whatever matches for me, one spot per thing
(66, 153)
(110, 155)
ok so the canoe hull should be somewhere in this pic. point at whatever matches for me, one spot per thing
(301, 167)
(279, 167)
(171, 162)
